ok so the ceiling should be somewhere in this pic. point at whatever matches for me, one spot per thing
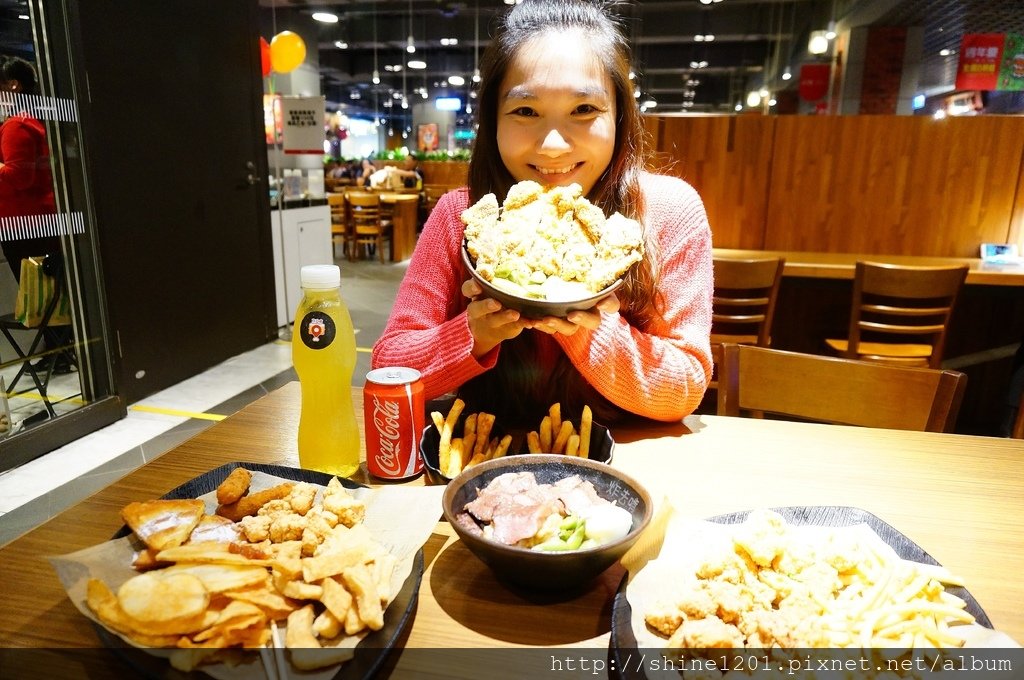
(754, 41)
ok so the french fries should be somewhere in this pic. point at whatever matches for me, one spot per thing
(476, 444)
(558, 435)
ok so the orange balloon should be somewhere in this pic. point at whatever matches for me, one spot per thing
(287, 51)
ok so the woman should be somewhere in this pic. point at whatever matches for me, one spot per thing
(556, 106)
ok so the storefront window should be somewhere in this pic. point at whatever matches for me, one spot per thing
(53, 346)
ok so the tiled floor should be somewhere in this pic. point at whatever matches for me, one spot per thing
(36, 491)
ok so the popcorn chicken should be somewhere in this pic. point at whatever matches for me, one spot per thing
(549, 242)
(301, 498)
(348, 509)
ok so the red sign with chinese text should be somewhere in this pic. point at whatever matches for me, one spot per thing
(980, 56)
(814, 81)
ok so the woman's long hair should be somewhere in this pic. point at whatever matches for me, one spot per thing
(517, 385)
(618, 188)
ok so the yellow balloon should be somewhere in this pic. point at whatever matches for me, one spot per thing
(287, 51)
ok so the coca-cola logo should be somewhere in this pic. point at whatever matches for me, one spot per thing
(385, 421)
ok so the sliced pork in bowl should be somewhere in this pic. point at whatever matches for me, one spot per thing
(547, 521)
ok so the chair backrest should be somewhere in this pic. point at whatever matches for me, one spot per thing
(365, 208)
(746, 291)
(897, 303)
(842, 391)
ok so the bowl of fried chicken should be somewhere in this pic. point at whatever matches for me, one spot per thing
(548, 251)
(547, 521)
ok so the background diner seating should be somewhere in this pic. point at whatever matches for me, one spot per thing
(894, 306)
(746, 291)
(838, 391)
(339, 220)
(369, 227)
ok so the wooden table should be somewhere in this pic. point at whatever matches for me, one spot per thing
(841, 265)
(404, 219)
(959, 497)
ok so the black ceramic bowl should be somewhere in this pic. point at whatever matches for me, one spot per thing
(549, 570)
(533, 308)
(601, 448)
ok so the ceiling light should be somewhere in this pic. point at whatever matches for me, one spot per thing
(417, 63)
(787, 74)
(945, 52)
(738, 107)
(636, 93)
(376, 77)
(818, 43)
(325, 17)
(23, 17)
(698, 38)
(753, 99)
(449, 41)
(830, 34)
(469, 108)
(456, 80)
(410, 45)
(341, 44)
(649, 103)
(773, 101)
(405, 103)
(476, 75)
(706, 2)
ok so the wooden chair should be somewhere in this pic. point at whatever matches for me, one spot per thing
(339, 220)
(894, 305)
(368, 225)
(744, 302)
(432, 193)
(841, 391)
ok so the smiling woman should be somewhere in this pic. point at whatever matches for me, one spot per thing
(556, 108)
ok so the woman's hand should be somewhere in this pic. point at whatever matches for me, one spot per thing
(589, 319)
(489, 322)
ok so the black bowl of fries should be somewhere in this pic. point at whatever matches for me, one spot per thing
(533, 307)
(561, 570)
(445, 458)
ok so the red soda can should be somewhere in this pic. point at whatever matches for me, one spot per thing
(393, 417)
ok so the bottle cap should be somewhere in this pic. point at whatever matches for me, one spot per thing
(320, 276)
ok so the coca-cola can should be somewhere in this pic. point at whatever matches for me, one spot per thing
(393, 417)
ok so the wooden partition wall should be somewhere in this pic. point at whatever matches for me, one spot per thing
(907, 185)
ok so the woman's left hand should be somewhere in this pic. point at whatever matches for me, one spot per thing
(589, 319)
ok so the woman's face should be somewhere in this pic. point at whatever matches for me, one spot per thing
(556, 113)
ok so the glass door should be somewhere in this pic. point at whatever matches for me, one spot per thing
(54, 346)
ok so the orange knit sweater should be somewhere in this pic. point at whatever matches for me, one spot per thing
(660, 372)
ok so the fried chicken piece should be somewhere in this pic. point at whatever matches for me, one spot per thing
(301, 498)
(234, 486)
(709, 633)
(480, 216)
(256, 529)
(251, 504)
(348, 509)
(287, 528)
(521, 194)
(664, 617)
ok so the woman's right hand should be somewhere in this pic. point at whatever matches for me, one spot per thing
(489, 322)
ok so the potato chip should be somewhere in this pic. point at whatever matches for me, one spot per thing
(217, 578)
(163, 599)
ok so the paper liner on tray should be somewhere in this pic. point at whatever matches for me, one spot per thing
(675, 545)
(395, 516)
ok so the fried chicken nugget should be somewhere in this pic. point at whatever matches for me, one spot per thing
(234, 486)
(251, 504)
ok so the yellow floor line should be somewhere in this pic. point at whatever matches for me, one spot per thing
(175, 412)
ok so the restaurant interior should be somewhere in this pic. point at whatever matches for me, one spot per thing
(840, 158)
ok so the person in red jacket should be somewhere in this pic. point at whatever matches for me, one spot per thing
(26, 182)
(556, 106)
(26, 186)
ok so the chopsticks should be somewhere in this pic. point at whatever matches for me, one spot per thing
(273, 656)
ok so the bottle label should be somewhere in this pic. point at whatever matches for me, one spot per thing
(317, 330)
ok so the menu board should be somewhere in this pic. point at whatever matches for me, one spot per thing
(991, 61)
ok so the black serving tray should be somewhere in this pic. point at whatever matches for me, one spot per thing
(623, 644)
(370, 654)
